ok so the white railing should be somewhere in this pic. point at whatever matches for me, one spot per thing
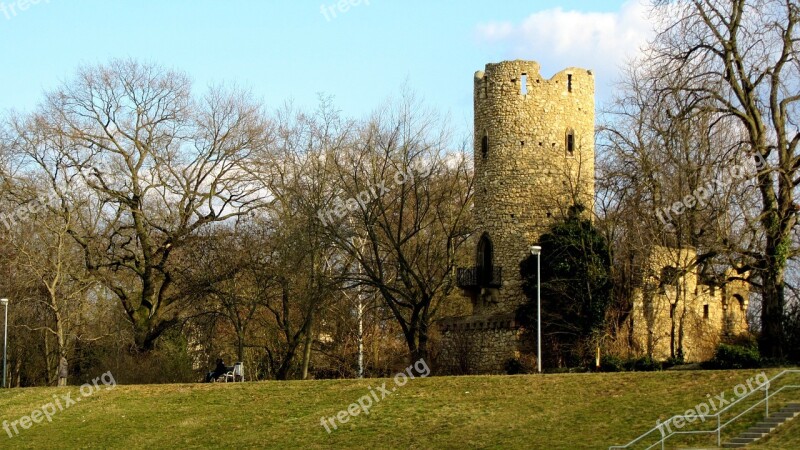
(720, 425)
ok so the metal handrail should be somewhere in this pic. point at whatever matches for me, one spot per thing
(659, 428)
(720, 426)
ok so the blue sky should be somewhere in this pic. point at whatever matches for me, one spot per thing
(285, 50)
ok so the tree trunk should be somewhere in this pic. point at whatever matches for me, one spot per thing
(147, 330)
(283, 371)
(240, 346)
(306, 354)
(417, 342)
(772, 333)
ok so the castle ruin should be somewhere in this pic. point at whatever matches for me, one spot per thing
(678, 312)
(533, 159)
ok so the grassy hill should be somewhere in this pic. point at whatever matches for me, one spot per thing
(570, 411)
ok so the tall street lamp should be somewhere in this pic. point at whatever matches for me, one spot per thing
(537, 250)
(4, 302)
(360, 308)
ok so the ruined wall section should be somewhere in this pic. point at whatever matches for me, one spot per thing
(669, 312)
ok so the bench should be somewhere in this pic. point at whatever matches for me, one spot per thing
(236, 373)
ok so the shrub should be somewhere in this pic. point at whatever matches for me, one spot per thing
(673, 361)
(514, 367)
(611, 364)
(730, 356)
(643, 364)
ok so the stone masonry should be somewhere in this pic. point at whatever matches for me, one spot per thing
(676, 311)
(533, 158)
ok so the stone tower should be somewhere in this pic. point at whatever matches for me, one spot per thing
(534, 158)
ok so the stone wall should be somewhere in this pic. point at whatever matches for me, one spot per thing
(479, 345)
(684, 311)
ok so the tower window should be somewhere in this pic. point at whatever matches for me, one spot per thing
(569, 82)
(705, 311)
(485, 146)
(485, 260)
(570, 144)
(523, 84)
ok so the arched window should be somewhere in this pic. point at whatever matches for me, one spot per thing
(485, 145)
(484, 259)
(740, 300)
(570, 142)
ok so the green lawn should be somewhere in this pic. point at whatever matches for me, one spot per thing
(570, 411)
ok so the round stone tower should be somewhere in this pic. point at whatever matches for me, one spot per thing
(534, 158)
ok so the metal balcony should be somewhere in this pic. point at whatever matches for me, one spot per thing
(478, 277)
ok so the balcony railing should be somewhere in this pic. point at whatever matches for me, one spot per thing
(478, 277)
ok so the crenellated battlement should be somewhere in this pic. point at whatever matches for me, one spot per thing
(523, 79)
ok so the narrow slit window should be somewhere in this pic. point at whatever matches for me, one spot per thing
(485, 146)
(705, 311)
(569, 82)
(570, 144)
(523, 84)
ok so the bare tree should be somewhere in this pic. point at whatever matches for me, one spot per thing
(56, 279)
(402, 205)
(664, 182)
(146, 166)
(740, 59)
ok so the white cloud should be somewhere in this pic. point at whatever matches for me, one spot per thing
(601, 41)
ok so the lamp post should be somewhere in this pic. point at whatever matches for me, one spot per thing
(360, 306)
(537, 250)
(4, 302)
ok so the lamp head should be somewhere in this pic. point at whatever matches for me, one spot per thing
(3, 301)
(535, 249)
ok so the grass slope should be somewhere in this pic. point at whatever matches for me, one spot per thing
(570, 411)
(786, 437)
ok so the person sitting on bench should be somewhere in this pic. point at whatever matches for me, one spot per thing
(219, 371)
